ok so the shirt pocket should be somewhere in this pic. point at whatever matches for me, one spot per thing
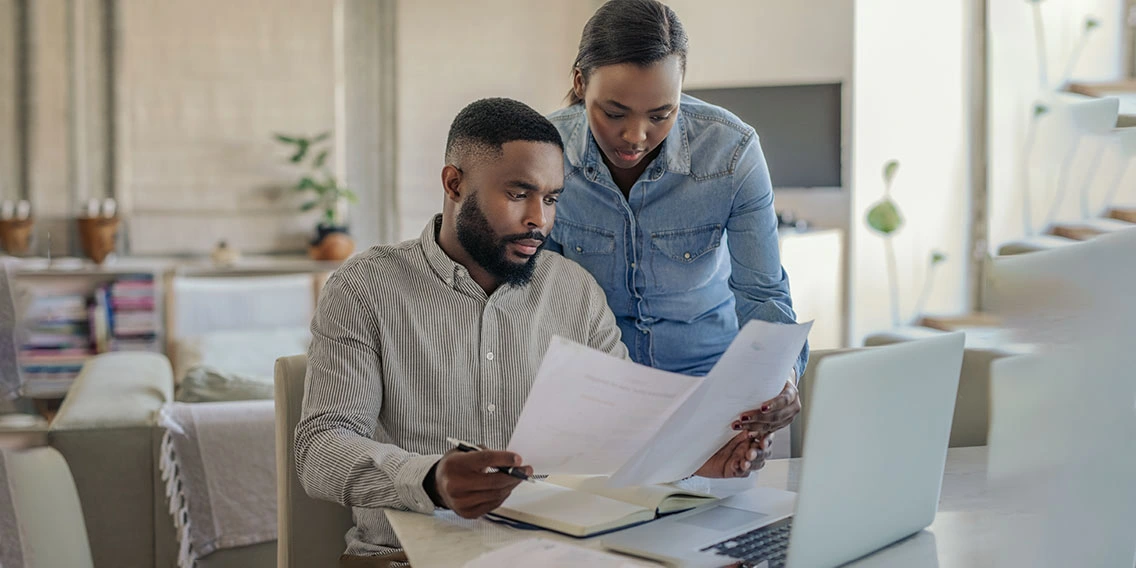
(684, 259)
(590, 247)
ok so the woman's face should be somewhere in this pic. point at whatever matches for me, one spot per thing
(630, 108)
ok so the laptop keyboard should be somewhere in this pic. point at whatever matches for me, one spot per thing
(768, 543)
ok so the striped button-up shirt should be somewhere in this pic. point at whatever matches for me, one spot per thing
(406, 350)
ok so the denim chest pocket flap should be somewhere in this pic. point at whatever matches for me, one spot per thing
(581, 239)
(687, 245)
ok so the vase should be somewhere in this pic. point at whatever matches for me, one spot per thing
(97, 236)
(331, 244)
(15, 235)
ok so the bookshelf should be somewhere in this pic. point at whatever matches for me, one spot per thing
(76, 312)
(79, 309)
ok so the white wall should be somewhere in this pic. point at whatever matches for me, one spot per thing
(9, 156)
(202, 86)
(1014, 86)
(773, 42)
(451, 53)
(909, 103)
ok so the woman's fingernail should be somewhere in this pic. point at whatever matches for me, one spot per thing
(752, 455)
(765, 408)
(736, 426)
(746, 418)
(746, 466)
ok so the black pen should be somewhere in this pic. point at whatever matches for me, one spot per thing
(463, 446)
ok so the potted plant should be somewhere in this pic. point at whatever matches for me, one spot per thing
(331, 241)
(885, 219)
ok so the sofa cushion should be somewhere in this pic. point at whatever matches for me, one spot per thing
(132, 385)
(234, 365)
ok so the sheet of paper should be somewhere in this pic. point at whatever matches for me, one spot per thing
(549, 554)
(589, 412)
(753, 370)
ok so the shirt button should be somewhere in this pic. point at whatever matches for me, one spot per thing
(489, 355)
(491, 407)
(632, 265)
(644, 332)
(579, 249)
(686, 255)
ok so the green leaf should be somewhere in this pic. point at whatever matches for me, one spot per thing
(305, 184)
(301, 151)
(286, 139)
(320, 159)
(320, 137)
(884, 217)
(889, 170)
(937, 257)
(350, 195)
(1039, 109)
(308, 206)
(1091, 23)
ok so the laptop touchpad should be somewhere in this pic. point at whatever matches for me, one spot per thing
(722, 519)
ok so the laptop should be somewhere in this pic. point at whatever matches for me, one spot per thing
(878, 424)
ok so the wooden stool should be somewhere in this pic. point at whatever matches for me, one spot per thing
(1075, 232)
(1123, 214)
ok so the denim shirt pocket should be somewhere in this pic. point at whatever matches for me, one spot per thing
(683, 259)
(590, 247)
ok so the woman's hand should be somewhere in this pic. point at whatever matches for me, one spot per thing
(772, 415)
(744, 453)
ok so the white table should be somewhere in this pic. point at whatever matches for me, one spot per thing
(970, 526)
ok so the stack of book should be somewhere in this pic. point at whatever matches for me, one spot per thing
(130, 303)
(57, 342)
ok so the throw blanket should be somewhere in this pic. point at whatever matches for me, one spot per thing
(219, 465)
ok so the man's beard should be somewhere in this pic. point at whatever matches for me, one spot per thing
(480, 242)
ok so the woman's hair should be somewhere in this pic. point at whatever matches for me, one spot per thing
(640, 32)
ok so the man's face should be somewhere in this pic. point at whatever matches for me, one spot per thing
(509, 207)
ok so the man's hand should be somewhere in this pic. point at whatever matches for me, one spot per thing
(462, 481)
(744, 453)
(772, 415)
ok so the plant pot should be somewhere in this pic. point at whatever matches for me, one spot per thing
(331, 243)
(97, 236)
(15, 235)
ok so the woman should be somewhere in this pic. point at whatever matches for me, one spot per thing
(668, 203)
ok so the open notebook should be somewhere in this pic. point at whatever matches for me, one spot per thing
(583, 505)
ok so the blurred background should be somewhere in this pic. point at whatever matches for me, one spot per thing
(172, 110)
(180, 176)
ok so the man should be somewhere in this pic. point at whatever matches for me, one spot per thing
(442, 336)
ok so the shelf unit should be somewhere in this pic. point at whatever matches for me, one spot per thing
(76, 313)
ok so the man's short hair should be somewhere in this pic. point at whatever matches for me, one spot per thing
(483, 126)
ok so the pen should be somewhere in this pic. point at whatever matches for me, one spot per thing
(463, 446)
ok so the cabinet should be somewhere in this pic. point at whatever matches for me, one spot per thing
(814, 260)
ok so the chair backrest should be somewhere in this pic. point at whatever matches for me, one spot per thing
(310, 531)
(41, 520)
(804, 391)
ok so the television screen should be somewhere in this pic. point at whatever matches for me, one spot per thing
(799, 126)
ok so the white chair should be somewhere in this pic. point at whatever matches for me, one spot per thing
(309, 531)
(41, 520)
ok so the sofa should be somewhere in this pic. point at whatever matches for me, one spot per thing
(108, 433)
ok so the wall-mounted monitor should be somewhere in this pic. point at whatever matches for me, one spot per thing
(799, 126)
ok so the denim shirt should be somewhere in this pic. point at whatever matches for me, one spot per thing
(693, 252)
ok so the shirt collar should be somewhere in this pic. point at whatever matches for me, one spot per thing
(453, 273)
(440, 262)
(583, 152)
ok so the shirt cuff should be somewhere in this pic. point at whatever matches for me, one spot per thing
(409, 483)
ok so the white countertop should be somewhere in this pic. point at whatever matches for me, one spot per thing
(970, 524)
